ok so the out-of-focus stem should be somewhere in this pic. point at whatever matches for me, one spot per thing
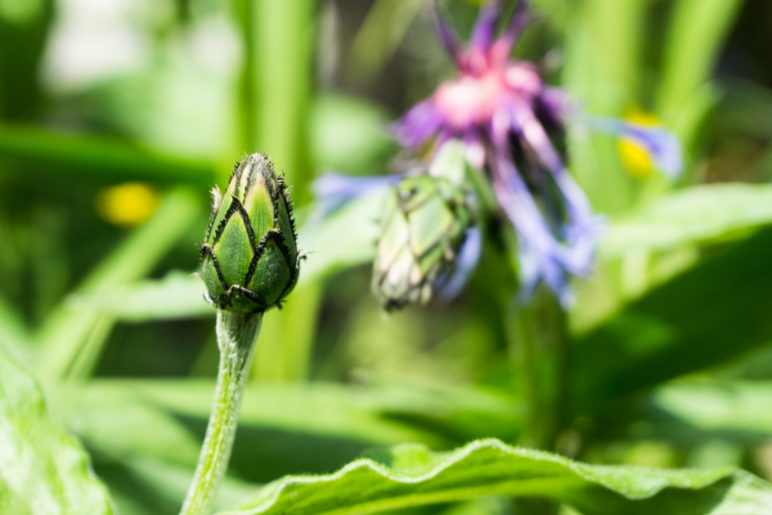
(236, 336)
(275, 92)
(541, 352)
(540, 347)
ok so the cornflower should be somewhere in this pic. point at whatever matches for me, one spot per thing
(506, 115)
(506, 118)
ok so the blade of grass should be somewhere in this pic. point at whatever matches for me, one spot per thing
(379, 36)
(67, 329)
(602, 69)
(275, 88)
(697, 29)
(96, 157)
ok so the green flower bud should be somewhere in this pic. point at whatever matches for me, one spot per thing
(424, 226)
(249, 259)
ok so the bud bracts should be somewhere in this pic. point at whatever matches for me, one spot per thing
(426, 219)
(249, 259)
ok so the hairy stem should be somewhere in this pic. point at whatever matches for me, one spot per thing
(236, 337)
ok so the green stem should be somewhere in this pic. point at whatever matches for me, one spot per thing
(541, 350)
(236, 337)
(542, 354)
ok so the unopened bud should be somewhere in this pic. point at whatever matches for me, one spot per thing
(249, 259)
(425, 224)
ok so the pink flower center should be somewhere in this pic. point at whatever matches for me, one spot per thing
(473, 99)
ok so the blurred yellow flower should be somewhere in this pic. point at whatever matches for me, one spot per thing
(636, 158)
(127, 204)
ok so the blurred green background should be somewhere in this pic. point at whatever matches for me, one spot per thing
(117, 117)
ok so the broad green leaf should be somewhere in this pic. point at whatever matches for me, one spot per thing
(42, 468)
(654, 243)
(697, 215)
(414, 476)
(712, 313)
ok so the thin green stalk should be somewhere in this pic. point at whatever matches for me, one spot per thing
(67, 329)
(236, 336)
(72, 155)
(695, 34)
(379, 36)
(541, 350)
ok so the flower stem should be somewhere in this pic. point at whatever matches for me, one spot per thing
(542, 354)
(236, 336)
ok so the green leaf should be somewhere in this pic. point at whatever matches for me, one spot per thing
(697, 215)
(141, 486)
(97, 157)
(109, 414)
(414, 476)
(348, 135)
(344, 238)
(277, 36)
(712, 313)
(602, 67)
(379, 36)
(176, 295)
(695, 34)
(42, 468)
(709, 408)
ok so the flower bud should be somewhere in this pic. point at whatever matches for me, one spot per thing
(424, 227)
(249, 259)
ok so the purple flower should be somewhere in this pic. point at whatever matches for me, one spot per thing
(500, 107)
(507, 119)
(449, 285)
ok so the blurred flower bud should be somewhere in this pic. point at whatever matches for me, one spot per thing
(249, 259)
(425, 225)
